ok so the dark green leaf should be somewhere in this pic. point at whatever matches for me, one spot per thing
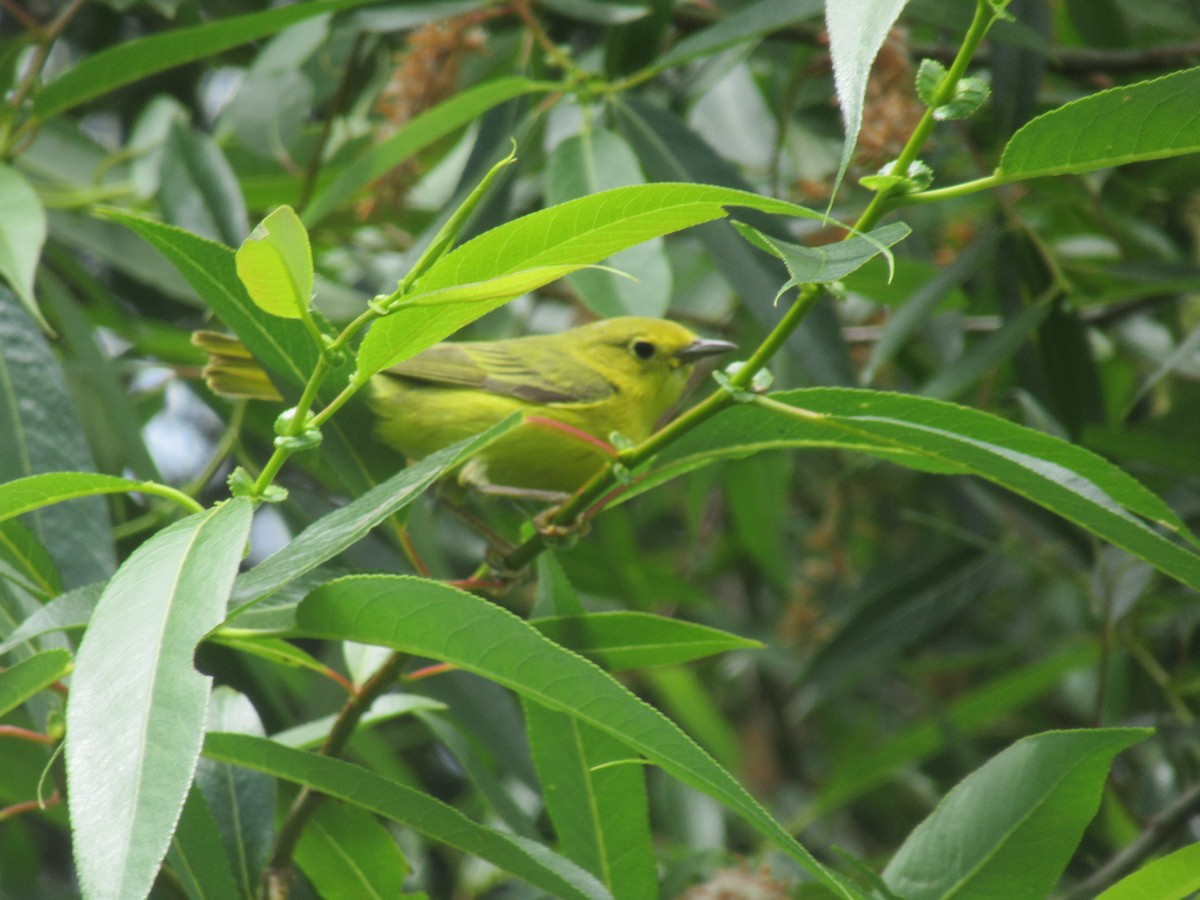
(132, 60)
(341, 780)
(631, 640)
(424, 617)
(26, 678)
(1010, 827)
(40, 432)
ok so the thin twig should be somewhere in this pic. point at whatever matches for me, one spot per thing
(22, 15)
(335, 106)
(1156, 833)
(277, 877)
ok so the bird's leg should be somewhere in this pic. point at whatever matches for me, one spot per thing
(474, 476)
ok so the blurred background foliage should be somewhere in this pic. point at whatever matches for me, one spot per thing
(914, 624)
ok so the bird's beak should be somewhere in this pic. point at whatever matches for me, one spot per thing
(699, 349)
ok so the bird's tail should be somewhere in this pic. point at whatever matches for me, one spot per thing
(232, 371)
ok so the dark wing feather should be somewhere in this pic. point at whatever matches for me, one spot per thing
(510, 368)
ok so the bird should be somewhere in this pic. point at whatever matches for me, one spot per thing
(578, 390)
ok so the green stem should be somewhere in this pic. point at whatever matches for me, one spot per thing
(45, 38)
(277, 875)
(949, 193)
(985, 15)
(170, 493)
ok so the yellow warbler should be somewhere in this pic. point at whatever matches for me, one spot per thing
(575, 388)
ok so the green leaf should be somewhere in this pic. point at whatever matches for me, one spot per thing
(199, 191)
(597, 12)
(869, 765)
(821, 265)
(29, 676)
(347, 854)
(969, 96)
(857, 29)
(930, 75)
(129, 61)
(311, 734)
(427, 618)
(197, 855)
(931, 435)
(40, 432)
(632, 640)
(71, 610)
(1172, 877)
(24, 561)
(574, 234)
(285, 348)
(417, 134)
(331, 534)
(748, 23)
(22, 233)
(135, 715)
(242, 803)
(525, 859)
(670, 151)
(1147, 120)
(594, 161)
(37, 491)
(275, 264)
(1010, 827)
(595, 794)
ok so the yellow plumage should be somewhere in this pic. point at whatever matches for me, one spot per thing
(618, 375)
(575, 389)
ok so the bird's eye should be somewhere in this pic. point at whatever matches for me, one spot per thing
(643, 349)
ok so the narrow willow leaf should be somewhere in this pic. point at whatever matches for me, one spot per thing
(284, 347)
(135, 716)
(1011, 826)
(747, 23)
(37, 491)
(242, 803)
(40, 432)
(330, 535)
(594, 161)
(595, 795)
(22, 233)
(26, 678)
(197, 856)
(857, 29)
(1147, 120)
(200, 192)
(1173, 877)
(348, 855)
(574, 234)
(630, 640)
(65, 612)
(431, 619)
(525, 859)
(275, 264)
(132, 60)
(415, 135)
(931, 435)
(25, 562)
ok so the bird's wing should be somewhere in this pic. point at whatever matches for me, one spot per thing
(506, 369)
